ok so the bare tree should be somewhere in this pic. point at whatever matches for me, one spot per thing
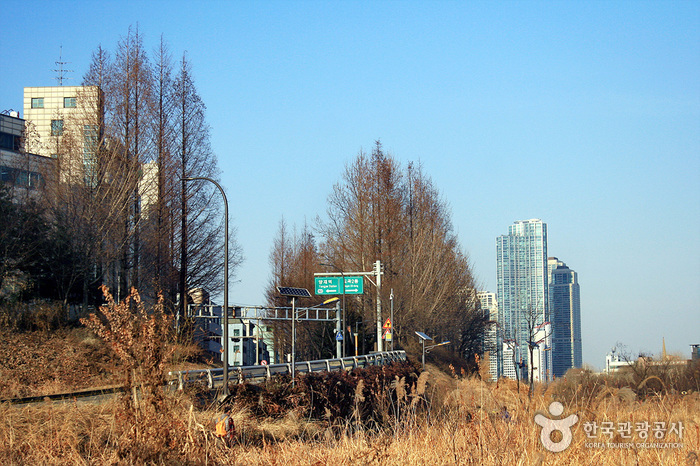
(294, 258)
(539, 332)
(24, 238)
(514, 347)
(160, 184)
(87, 199)
(379, 211)
(132, 103)
(200, 230)
(115, 208)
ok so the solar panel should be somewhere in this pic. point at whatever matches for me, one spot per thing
(293, 292)
(423, 336)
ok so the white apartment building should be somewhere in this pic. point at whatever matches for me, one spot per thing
(493, 343)
(66, 120)
(541, 361)
(509, 366)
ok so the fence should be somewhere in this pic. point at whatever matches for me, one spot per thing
(257, 374)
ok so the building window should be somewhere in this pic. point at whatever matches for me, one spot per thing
(236, 332)
(9, 141)
(34, 180)
(56, 127)
(69, 102)
(22, 178)
(37, 102)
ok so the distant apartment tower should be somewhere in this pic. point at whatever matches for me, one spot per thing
(493, 343)
(521, 268)
(565, 315)
(67, 121)
(509, 364)
(540, 354)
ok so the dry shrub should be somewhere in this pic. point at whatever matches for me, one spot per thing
(70, 433)
(183, 354)
(44, 316)
(585, 389)
(579, 387)
(381, 415)
(367, 398)
(141, 338)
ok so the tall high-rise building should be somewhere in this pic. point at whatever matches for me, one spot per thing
(493, 342)
(565, 315)
(522, 292)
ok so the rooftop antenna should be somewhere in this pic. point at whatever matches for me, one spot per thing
(61, 71)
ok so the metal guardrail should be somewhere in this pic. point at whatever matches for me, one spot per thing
(68, 396)
(256, 374)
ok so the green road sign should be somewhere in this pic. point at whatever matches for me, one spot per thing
(334, 285)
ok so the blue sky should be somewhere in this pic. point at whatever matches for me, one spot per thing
(583, 114)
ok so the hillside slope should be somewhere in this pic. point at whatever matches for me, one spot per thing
(41, 363)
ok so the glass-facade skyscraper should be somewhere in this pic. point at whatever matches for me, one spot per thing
(522, 291)
(565, 314)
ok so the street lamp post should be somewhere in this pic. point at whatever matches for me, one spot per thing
(294, 340)
(426, 349)
(224, 336)
(423, 338)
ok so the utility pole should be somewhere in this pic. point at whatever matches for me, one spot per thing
(338, 349)
(391, 330)
(378, 273)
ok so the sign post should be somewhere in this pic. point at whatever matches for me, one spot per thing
(387, 331)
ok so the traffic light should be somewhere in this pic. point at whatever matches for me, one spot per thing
(378, 268)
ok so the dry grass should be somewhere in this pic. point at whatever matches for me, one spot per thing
(388, 415)
(463, 423)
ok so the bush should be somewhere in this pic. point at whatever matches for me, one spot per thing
(370, 397)
(45, 316)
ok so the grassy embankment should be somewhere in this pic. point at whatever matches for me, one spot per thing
(391, 415)
(384, 418)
